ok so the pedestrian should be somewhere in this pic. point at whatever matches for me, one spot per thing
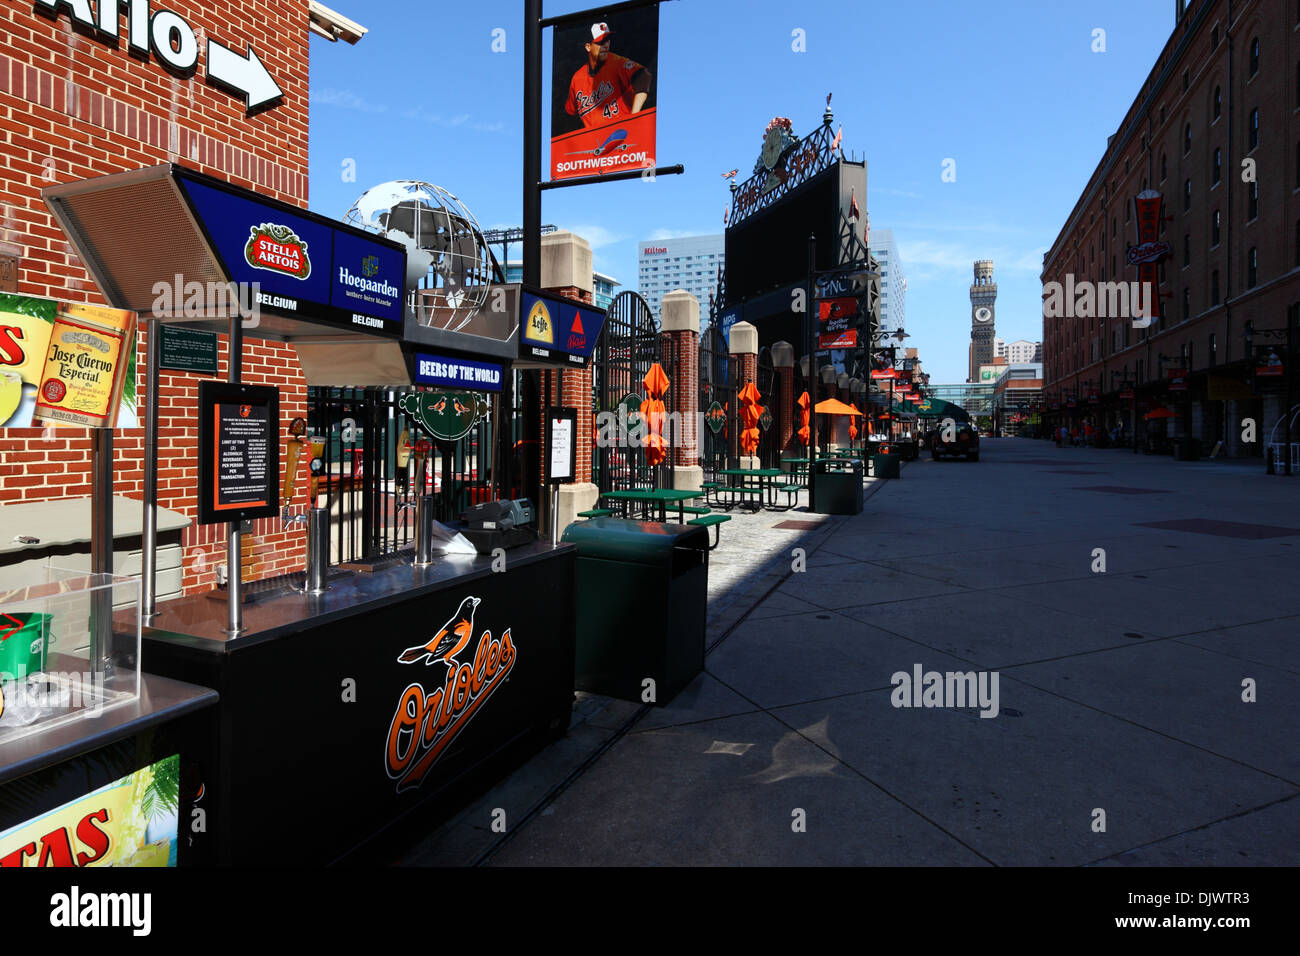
(1060, 436)
(1087, 434)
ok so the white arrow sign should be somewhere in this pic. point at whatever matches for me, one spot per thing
(242, 75)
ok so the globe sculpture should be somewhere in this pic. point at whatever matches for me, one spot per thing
(449, 264)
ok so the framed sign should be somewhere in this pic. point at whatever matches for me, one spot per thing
(187, 350)
(561, 445)
(239, 451)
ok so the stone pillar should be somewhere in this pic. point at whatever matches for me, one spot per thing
(566, 271)
(680, 327)
(786, 414)
(744, 353)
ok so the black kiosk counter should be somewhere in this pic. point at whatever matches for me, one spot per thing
(346, 712)
(348, 705)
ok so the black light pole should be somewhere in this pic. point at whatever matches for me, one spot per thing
(812, 348)
(532, 142)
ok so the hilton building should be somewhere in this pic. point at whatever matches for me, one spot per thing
(689, 262)
(1211, 143)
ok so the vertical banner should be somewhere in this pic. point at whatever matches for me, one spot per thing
(603, 94)
(1148, 252)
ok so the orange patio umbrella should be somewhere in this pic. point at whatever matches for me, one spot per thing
(750, 412)
(805, 433)
(1160, 413)
(853, 426)
(652, 410)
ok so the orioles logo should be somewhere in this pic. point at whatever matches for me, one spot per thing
(426, 723)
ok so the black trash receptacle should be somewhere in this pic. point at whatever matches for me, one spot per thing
(836, 487)
(642, 598)
(1187, 449)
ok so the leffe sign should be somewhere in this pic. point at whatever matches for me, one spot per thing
(168, 37)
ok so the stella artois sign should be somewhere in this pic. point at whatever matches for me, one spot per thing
(277, 249)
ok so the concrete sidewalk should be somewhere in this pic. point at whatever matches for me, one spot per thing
(1119, 692)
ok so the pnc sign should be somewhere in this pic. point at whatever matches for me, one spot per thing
(168, 37)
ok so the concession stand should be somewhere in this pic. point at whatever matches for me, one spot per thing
(353, 695)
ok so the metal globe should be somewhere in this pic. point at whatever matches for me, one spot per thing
(449, 265)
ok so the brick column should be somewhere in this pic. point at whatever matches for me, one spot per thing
(744, 353)
(680, 326)
(566, 271)
(783, 364)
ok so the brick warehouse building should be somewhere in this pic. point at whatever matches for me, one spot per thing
(1225, 89)
(75, 103)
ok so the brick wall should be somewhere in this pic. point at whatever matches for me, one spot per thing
(73, 107)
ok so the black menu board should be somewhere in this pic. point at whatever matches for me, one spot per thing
(239, 451)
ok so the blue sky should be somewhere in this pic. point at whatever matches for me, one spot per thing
(1010, 89)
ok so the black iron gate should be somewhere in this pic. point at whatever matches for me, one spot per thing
(371, 469)
(628, 346)
(770, 397)
(717, 401)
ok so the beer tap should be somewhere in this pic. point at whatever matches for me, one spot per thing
(297, 429)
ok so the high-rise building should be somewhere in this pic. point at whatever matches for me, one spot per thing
(983, 298)
(1019, 352)
(687, 262)
(893, 284)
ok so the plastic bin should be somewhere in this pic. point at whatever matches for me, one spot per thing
(836, 487)
(885, 466)
(642, 598)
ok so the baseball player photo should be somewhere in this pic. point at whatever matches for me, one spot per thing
(607, 86)
(602, 94)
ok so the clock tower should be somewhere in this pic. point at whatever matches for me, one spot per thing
(983, 295)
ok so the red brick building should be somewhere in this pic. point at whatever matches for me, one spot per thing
(1214, 130)
(75, 105)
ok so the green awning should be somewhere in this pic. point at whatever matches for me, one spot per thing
(933, 408)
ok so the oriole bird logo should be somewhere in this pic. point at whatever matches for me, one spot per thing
(442, 404)
(450, 639)
(460, 409)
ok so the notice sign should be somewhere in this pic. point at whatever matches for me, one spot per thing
(561, 447)
(457, 373)
(187, 350)
(239, 451)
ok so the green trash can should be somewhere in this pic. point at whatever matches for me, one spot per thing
(836, 487)
(642, 598)
(885, 466)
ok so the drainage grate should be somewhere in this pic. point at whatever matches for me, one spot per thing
(1122, 490)
(1221, 529)
(794, 525)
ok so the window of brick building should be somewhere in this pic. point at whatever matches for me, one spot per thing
(1218, 101)
(1187, 250)
(1187, 195)
(1187, 139)
(1252, 200)
(1215, 222)
(1254, 56)
(1187, 303)
(1164, 167)
(1252, 130)
(1218, 165)
(1214, 287)
(1214, 351)
(1252, 267)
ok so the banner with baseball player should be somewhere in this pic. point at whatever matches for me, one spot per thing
(603, 94)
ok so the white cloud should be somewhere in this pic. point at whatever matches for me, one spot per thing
(462, 120)
(662, 235)
(344, 99)
(596, 235)
(924, 259)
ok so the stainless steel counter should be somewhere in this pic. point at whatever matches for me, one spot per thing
(198, 620)
(160, 700)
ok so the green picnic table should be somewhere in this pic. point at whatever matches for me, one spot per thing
(800, 469)
(656, 496)
(764, 476)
